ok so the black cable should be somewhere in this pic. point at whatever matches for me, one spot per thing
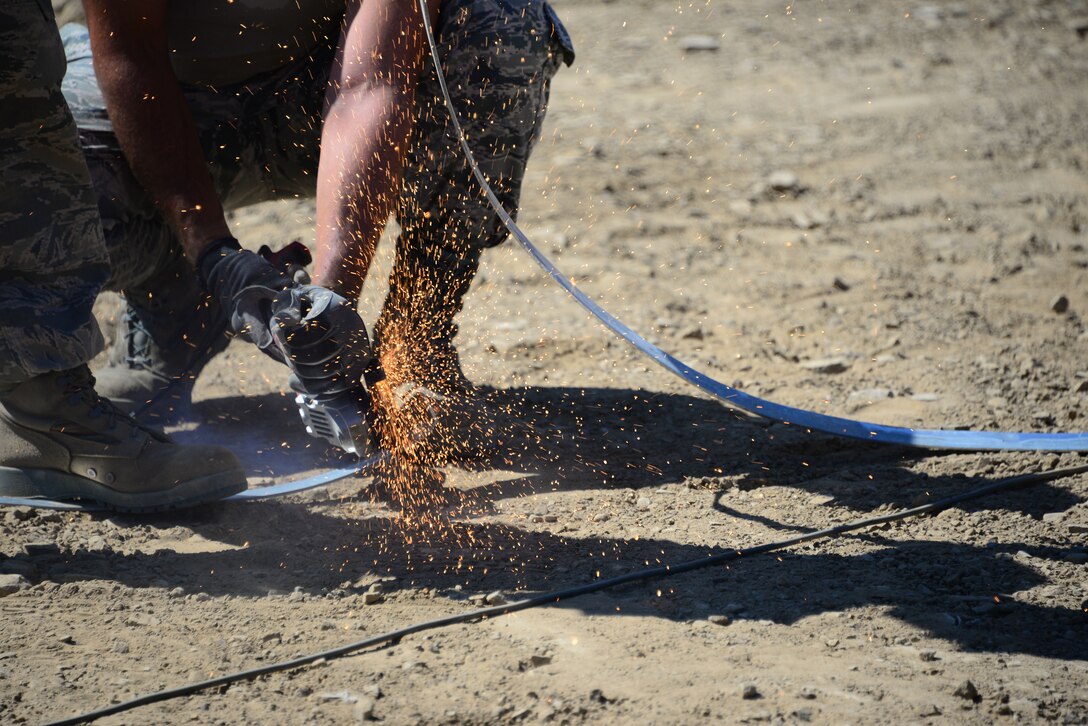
(572, 592)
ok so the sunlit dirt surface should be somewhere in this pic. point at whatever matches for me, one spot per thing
(895, 192)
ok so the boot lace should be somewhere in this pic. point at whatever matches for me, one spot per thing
(78, 386)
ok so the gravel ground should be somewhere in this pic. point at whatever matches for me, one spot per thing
(867, 209)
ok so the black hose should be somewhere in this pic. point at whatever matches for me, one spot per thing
(572, 592)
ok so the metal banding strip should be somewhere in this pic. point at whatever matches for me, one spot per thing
(849, 428)
(249, 495)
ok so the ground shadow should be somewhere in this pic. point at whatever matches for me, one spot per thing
(595, 438)
(959, 592)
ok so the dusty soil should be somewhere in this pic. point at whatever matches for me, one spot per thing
(900, 187)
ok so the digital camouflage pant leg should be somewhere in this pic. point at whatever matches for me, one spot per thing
(52, 258)
(499, 56)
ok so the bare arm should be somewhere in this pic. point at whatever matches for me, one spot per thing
(368, 119)
(151, 118)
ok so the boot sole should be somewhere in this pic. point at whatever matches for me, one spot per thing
(59, 485)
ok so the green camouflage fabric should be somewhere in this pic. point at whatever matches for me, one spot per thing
(52, 257)
(262, 138)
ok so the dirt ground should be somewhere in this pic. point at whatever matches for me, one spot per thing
(758, 187)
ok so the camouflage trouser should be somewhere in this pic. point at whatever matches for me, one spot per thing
(52, 258)
(261, 138)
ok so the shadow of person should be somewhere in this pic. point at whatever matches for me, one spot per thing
(968, 595)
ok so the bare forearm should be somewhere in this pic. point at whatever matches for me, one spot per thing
(156, 132)
(363, 147)
(369, 116)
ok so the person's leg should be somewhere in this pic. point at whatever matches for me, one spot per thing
(58, 437)
(498, 58)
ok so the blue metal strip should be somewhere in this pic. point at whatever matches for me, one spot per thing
(849, 428)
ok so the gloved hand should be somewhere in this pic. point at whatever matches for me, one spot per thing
(315, 332)
(323, 340)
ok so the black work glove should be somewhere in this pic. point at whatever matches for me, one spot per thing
(315, 332)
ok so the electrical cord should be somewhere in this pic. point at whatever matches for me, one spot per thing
(572, 592)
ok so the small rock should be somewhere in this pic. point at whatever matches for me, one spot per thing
(693, 332)
(967, 690)
(720, 619)
(833, 643)
(538, 660)
(67, 639)
(40, 548)
(930, 710)
(363, 710)
(749, 692)
(1053, 517)
(602, 517)
(866, 397)
(839, 284)
(784, 181)
(826, 365)
(11, 584)
(176, 593)
(341, 696)
(372, 598)
(643, 503)
(495, 598)
(1060, 304)
(120, 646)
(808, 693)
(927, 656)
(697, 43)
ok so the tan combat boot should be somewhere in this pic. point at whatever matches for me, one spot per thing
(60, 440)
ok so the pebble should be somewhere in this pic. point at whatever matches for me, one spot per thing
(839, 284)
(867, 396)
(927, 656)
(826, 365)
(11, 584)
(495, 598)
(784, 181)
(720, 619)
(341, 696)
(363, 710)
(967, 691)
(1053, 517)
(749, 692)
(696, 43)
(643, 503)
(372, 598)
(1060, 304)
(40, 548)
